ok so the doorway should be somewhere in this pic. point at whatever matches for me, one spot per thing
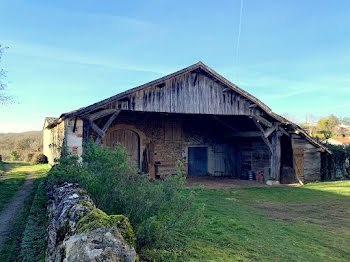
(197, 161)
(128, 139)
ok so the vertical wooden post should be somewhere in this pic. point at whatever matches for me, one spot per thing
(276, 155)
(151, 171)
(86, 126)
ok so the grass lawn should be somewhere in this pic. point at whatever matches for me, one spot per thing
(2, 168)
(310, 223)
(12, 182)
(27, 241)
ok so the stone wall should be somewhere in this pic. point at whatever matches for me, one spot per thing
(53, 139)
(78, 231)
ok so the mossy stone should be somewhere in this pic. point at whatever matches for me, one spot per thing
(97, 218)
(86, 204)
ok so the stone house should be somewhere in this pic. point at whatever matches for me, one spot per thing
(197, 116)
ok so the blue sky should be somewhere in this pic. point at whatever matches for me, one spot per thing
(294, 55)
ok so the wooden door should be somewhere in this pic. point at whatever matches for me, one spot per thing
(224, 160)
(128, 139)
(197, 161)
(298, 162)
(219, 151)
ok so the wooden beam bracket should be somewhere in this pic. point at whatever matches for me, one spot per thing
(263, 121)
(267, 142)
(105, 127)
(269, 131)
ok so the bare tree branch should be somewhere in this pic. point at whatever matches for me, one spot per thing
(5, 99)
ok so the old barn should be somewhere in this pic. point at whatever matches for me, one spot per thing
(197, 116)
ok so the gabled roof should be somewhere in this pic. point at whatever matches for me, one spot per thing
(51, 121)
(199, 66)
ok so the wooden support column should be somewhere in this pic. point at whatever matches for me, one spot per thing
(86, 127)
(276, 155)
(152, 172)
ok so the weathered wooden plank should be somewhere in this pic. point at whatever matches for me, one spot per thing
(101, 114)
(276, 156)
(190, 93)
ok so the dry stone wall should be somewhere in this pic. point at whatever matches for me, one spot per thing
(78, 231)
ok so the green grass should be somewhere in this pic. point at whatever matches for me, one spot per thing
(27, 241)
(2, 168)
(310, 223)
(12, 182)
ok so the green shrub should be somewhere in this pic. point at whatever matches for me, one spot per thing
(14, 156)
(39, 159)
(29, 157)
(337, 164)
(157, 210)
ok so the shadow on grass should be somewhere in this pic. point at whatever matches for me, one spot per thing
(310, 223)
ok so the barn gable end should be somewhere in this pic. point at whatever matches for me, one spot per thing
(196, 116)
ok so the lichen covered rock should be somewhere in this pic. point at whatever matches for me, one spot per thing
(78, 231)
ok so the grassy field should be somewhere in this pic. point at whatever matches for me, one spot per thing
(12, 181)
(310, 223)
(2, 168)
(27, 241)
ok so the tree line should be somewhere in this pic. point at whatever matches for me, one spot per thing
(327, 127)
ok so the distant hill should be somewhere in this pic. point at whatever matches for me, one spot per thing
(26, 144)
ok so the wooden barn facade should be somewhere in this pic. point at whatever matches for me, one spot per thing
(196, 116)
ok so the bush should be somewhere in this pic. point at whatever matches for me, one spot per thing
(14, 156)
(39, 159)
(0, 158)
(337, 164)
(29, 157)
(159, 211)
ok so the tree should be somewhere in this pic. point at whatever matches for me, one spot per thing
(327, 126)
(4, 98)
(14, 156)
(290, 117)
(345, 120)
(309, 119)
(332, 122)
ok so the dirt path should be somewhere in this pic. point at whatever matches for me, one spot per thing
(16, 203)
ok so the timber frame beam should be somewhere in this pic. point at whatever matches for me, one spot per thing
(101, 114)
(225, 123)
(264, 121)
(99, 131)
(267, 142)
